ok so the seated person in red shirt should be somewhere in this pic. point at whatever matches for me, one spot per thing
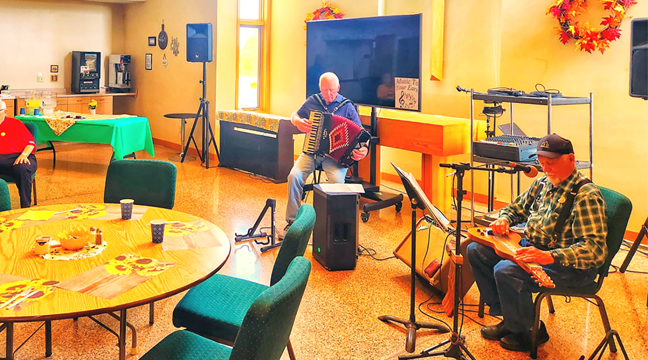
(17, 148)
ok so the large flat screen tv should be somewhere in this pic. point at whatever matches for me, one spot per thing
(378, 59)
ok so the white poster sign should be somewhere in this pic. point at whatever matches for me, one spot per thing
(407, 93)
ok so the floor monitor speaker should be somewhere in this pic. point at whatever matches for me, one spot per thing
(199, 43)
(335, 236)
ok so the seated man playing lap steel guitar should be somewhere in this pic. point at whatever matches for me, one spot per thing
(570, 247)
(328, 101)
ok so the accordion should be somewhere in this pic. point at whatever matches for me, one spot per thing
(335, 137)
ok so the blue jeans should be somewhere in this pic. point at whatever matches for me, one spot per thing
(303, 168)
(508, 289)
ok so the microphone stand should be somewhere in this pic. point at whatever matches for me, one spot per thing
(456, 340)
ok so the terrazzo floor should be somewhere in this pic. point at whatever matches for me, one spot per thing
(338, 314)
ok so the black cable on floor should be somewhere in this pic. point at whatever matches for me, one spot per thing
(432, 317)
(257, 177)
(371, 252)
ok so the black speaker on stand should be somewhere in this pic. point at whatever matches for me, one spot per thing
(200, 48)
(639, 59)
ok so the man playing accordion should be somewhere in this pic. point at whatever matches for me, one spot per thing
(327, 101)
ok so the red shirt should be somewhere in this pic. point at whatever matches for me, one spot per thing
(14, 136)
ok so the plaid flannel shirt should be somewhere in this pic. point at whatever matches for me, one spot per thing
(582, 243)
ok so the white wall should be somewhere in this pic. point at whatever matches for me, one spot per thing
(37, 34)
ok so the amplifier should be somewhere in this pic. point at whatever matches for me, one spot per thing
(507, 147)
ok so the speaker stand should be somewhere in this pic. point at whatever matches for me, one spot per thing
(207, 132)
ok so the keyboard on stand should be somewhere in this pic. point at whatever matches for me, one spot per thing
(507, 147)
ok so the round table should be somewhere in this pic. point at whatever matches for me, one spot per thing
(123, 237)
(181, 116)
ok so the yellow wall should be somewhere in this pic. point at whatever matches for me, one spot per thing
(176, 88)
(501, 43)
(37, 34)
(487, 44)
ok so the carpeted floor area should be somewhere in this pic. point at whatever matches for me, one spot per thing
(338, 317)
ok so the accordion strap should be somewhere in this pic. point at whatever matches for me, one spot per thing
(323, 104)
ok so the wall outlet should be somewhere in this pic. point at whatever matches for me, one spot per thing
(39, 77)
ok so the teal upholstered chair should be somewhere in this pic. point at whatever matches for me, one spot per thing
(216, 308)
(618, 209)
(10, 179)
(148, 182)
(263, 333)
(5, 200)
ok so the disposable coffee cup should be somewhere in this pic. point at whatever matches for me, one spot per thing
(42, 245)
(126, 208)
(36, 112)
(22, 111)
(157, 231)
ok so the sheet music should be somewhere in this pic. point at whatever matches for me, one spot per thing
(439, 218)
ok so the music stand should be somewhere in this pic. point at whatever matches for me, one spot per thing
(419, 200)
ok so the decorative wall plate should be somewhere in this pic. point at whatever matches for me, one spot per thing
(163, 39)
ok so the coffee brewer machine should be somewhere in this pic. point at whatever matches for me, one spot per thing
(118, 73)
(86, 72)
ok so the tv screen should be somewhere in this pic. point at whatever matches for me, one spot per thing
(377, 59)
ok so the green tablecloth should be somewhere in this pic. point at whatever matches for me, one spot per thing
(125, 135)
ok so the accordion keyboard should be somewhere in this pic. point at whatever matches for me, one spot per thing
(312, 141)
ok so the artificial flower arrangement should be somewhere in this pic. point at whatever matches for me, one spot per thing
(92, 105)
(587, 38)
(327, 11)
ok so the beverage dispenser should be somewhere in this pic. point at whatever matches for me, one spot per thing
(86, 72)
(48, 102)
(118, 73)
(32, 102)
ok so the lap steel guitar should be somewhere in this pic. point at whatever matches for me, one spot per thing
(505, 246)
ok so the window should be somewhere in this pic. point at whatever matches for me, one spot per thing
(252, 54)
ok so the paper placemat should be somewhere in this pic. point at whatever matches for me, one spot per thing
(37, 215)
(7, 225)
(115, 277)
(86, 211)
(102, 212)
(11, 287)
(188, 235)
